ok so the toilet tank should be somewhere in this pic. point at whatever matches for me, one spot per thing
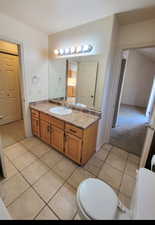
(143, 200)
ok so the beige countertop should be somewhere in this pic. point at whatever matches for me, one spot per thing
(77, 118)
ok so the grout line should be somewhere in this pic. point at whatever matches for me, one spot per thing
(43, 209)
(17, 197)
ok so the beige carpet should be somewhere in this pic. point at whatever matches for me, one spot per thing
(131, 129)
(12, 133)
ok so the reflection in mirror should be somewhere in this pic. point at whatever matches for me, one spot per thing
(71, 81)
(78, 80)
(81, 82)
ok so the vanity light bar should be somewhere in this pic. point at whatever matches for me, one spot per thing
(74, 50)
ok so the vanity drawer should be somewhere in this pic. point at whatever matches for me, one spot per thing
(35, 113)
(74, 130)
(44, 117)
(58, 123)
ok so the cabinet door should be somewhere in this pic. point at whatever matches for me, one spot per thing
(45, 131)
(57, 138)
(73, 147)
(35, 126)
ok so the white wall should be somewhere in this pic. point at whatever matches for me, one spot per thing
(35, 56)
(137, 34)
(138, 79)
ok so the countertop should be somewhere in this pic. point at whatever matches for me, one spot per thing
(77, 118)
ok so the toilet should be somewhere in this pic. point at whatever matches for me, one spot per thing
(96, 200)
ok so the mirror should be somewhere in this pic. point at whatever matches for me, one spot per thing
(81, 82)
(77, 80)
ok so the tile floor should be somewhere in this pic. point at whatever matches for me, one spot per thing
(8, 134)
(42, 183)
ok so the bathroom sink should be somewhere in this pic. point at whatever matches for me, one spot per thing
(60, 110)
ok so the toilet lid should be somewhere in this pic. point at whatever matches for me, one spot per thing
(97, 199)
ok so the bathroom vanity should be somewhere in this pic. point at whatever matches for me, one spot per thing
(73, 135)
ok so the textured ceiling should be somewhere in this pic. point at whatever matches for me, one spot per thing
(51, 16)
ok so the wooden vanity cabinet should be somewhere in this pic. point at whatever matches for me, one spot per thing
(45, 131)
(76, 143)
(73, 147)
(57, 138)
(35, 123)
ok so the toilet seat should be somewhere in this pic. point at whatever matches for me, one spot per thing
(97, 200)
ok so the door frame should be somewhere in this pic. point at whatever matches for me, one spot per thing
(111, 107)
(22, 80)
(151, 100)
(119, 91)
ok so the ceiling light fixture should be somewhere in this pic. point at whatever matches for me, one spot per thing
(74, 50)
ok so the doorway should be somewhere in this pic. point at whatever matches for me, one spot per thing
(133, 96)
(11, 113)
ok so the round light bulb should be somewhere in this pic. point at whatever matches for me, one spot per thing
(72, 50)
(79, 49)
(86, 48)
(67, 50)
(61, 51)
(56, 52)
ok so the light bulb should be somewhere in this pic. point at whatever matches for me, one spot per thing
(79, 49)
(67, 50)
(56, 52)
(72, 50)
(85, 48)
(61, 51)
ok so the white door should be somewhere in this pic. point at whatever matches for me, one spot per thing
(86, 83)
(10, 105)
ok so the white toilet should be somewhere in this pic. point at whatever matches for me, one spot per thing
(97, 201)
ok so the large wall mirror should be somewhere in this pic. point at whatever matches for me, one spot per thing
(77, 80)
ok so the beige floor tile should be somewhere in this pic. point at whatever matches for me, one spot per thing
(119, 152)
(131, 168)
(110, 176)
(48, 184)
(31, 142)
(46, 214)
(13, 188)
(24, 160)
(102, 154)
(107, 147)
(40, 149)
(94, 165)
(63, 203)
(124, 199)
(64, 168)
(15, 151)
(116, 161)
(135, 159)
(127, 185)
(27, 206)
(10, 169)
(78, 176)
(51, 158)
(33, 172)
